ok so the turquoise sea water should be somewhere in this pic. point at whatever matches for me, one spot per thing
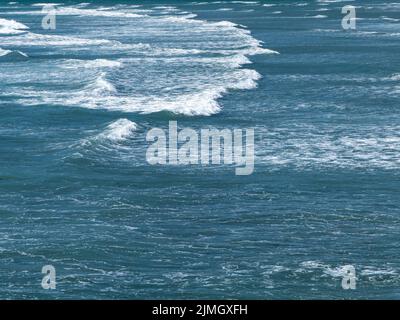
(76, 191)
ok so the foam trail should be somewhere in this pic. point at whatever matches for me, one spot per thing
(76, 11)
(91, 64)
(34, 39)
(11, 27)
(9, 55)
(102, 86)
(187, 74)
(111, 139)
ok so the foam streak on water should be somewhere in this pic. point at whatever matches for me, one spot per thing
(208, 56)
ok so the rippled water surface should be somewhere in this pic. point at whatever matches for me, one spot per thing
(76, 191)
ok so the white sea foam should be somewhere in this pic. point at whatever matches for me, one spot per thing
(157, 51)
(169, 8)
(340, 271)
(79, 11)
(394, 77)
(111, 138)
(390, 19)
(182, 19)
(11, 27)
(119, 130)
(4, 52)
(266, 51)
(200, 63)
(42, 4)
(374, 147)
(371, 271)
(91, 64)
(233, 61)
(245, 2)
(101, 86)
(334, 1)
(34, 39)
(101, 94)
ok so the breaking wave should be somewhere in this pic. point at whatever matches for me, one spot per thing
(11, 27)
(141, 66)
(119, 130)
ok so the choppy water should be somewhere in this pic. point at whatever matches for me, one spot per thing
(76, 191)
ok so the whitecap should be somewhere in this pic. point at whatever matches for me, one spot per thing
(91, 64)
(119, 130)
(11, 27)
(210, 65)
(78, 11)
(394, 77)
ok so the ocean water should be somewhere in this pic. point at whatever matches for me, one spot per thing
(77, 193)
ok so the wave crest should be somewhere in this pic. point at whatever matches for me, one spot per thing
(10, 55)
(11, 27)
(185, 71)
